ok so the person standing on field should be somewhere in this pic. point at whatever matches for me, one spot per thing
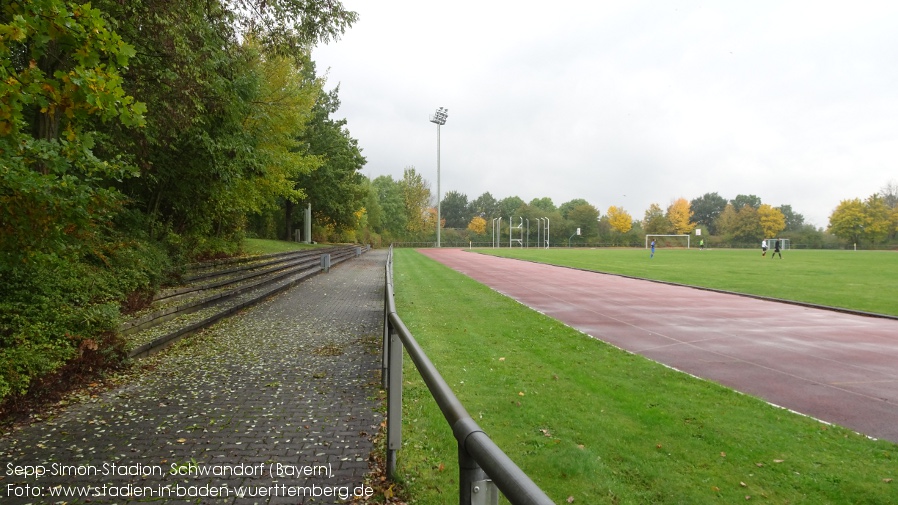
(653, 249)
(776, 249)
(764, 247)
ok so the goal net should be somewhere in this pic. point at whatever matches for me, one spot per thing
(668, 241)
(784, 243)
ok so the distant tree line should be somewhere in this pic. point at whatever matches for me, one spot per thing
(742, 221)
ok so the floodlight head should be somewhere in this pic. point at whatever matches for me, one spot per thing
(440, 116)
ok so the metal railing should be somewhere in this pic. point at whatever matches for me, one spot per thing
(483, 466)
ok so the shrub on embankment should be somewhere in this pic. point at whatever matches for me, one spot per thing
(59, 314)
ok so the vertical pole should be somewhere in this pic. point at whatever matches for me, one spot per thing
(439, 218)
(469, 473)
(307, 224)
(385, 349)
(394, 403)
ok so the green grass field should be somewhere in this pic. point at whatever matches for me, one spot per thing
(858, 280)
(592, 424)
(266, 246)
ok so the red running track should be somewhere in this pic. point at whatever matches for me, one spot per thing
(840, 368)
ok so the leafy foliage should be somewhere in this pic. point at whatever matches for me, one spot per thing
(415, 198)
(706, 209)
(212, 99)
(485, 206)
(772, 220)
(477, 225)
(619, 219)
(655, 221)
(455, 210)
(335, 189)
(680, 216)
(856, 221)
(585, 217)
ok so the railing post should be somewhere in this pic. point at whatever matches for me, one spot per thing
(385, 348)
(474, 485)
(394, 402)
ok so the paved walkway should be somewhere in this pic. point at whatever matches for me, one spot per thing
(837, 367)
(277, 403)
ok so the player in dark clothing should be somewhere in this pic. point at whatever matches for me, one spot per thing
(776, 249)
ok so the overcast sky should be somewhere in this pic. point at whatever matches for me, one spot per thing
(627, 103)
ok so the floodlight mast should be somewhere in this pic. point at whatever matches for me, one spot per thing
(439, 118)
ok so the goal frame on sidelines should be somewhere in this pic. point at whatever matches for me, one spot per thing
(661, 235)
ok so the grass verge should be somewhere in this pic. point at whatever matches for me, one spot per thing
(267, 246)
(593, 424)
(858, 280)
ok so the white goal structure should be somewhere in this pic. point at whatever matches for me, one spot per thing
(784, 243)
(668, 241)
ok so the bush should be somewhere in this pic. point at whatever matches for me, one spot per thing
(54, 310)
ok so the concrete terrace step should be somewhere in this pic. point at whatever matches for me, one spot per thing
(220, 288)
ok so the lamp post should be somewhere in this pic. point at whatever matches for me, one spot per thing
(439, 118)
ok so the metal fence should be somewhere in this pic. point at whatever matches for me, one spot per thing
(482, 465)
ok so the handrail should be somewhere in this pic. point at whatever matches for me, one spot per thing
(481, 462)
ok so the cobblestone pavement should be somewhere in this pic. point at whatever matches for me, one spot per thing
(278, 403)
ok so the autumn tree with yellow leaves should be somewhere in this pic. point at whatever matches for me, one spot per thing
(680, 216)
(619, 219)
(477, 225)
(772, 220)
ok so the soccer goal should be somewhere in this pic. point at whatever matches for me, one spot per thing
(784, 243)
(668, 241)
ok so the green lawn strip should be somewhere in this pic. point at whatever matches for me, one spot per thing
(857, 280)
(266, 246)
(589, 421)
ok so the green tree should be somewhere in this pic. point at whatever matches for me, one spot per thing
(61, 75)
(206, 96)
(416, 198)
(373, 209)
(335, 188)
(655, 221)
(848, 220)
(585, 217)
(485, 206)
(290, 26)
(566, 207)
(726, 222)
(455, 210)
(61, 68)
(743, 200)
(510, 207)
(747, 227)
(394, 220)
(794, 220)
(878, 222)
(287, 106)
(544, 203)
(706, 209)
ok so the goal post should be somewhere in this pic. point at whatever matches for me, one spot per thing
(668, 240)
(784, 243)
